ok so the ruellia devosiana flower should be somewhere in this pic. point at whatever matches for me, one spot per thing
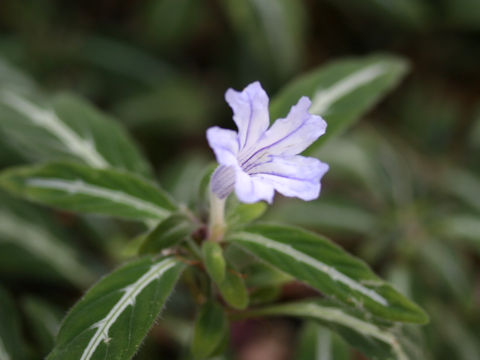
(258, 159)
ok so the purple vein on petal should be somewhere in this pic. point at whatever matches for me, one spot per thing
(255, 165)
(274, 143)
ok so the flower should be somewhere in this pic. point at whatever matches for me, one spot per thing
(257, 160)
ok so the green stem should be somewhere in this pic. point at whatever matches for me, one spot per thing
(217, 225)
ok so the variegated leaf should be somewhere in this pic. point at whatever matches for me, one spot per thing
(321, 264)
(112, 319)
(67, 128)
(80, 188)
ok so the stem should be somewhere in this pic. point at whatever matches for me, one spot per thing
(217, 226)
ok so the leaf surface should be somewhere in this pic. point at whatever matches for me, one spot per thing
(80, 188)
(326, 267)
(112, 319)
(210, 328)
(214, 261)
(167, 233)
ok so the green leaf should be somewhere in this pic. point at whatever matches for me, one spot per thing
(375, 339)
(112, 319)
(80, 188)
(210, 328)
(33, 245)
(167, 233)
(233, 290)
(240, 213)
(264, 295)
(318, 262)
(342, 91)
(214, 260)
(11, 343)
(68, 128)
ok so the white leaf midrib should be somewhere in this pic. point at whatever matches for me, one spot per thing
(325, 98)
(128, 298)
(48, 120)
(299, 256)
(83, 188)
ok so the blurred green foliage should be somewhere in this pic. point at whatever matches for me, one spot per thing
(403, 191)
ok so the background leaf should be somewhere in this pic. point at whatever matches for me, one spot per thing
(26, 232)
(80, 188)
(342, 91)
(67, 128)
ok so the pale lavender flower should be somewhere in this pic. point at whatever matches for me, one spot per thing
(257, 160)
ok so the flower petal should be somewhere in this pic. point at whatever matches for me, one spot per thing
(293, 134)
(222, 181)
(250, 190)
(293, 176)
(224, 144)
(250, 112)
